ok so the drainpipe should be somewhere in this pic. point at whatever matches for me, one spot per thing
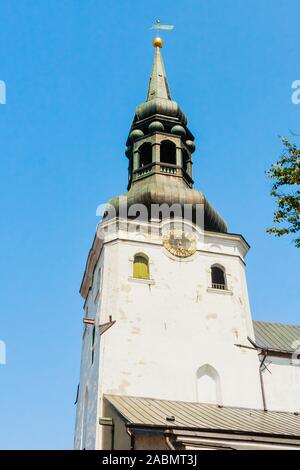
(132, 438)
(262, 381)
(265, 353)
(169, 443)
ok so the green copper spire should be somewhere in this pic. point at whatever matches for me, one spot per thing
(158, 87)
(159, 149)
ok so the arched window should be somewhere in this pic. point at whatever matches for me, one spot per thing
(185, 158)
(141, 266)
(168, 152)
(218, 278)
(208, 385)
(145, 152)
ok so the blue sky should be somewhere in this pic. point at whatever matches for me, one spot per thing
(74, 73)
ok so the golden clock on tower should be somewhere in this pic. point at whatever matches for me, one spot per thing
(180, 243)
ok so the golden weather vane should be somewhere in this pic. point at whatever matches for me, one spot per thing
(158, 42)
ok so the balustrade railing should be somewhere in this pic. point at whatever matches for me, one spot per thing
(218, 286)
(168, 168)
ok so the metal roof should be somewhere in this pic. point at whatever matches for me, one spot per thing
(150, 412)
(158, 86)
(276, 336)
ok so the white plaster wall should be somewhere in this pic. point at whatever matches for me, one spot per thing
(89, 373)
(282, 385)
(166, 330)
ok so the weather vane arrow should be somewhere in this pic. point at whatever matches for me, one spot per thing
(158, 25)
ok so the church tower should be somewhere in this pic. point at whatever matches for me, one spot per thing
(165, 289)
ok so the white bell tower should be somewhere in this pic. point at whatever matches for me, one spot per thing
(165, 304)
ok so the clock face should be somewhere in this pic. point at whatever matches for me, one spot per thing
(180, 243)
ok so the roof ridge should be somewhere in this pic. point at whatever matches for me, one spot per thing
(211, 405)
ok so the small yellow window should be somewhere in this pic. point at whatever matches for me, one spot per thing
(141, 267)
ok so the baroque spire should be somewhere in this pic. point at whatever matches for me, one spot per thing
(158, 87)
(159, 149)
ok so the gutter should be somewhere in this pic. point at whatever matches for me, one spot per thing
(236, 433)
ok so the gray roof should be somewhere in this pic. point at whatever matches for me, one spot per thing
(276, 336)
(198, 416)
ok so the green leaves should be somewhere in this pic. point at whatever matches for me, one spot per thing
(285, 175)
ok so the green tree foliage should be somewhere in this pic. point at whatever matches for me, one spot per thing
(285, 175)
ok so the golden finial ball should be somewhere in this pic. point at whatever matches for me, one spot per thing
(157, 42)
